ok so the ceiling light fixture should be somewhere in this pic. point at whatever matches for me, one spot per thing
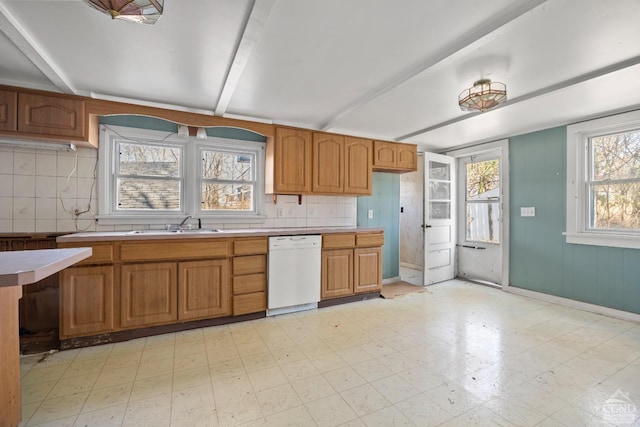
(140, 11)
(483, 96)
(40, 145)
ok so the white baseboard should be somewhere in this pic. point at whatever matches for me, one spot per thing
(390, 280)
(593, 308)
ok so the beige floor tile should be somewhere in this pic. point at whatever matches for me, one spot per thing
(84, 367)
(154, 368)
(201, 416)
(153, 386)
(226, 369)
(480, 416)
(106, 397)
(62, 407)
(108, 378)
(313, 388)
(453, 398)
(277, 399)
(515, 411)
(259, 361)
(422, 411)
(267, 378)
(395, 388)
(73, 385)
(344, 379)
(354, 355)
(186, 400)
(151, 412)
(331, 411)
(107, 417)
(190, 361)
(61, 422)
(252, 348)
(537, 398)
(188, 378)
(328, 362)
(153, 354)
(239, 410)
(28, 409)
(573, 416)
(387, 417)
(189, 348)
(300, 369)
(128, 347)
(35, 393)
(288, 355)
(372, 370)
(365, 399)
(294, 417)
(44, 375)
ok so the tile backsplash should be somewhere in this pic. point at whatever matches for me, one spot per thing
(41, 189)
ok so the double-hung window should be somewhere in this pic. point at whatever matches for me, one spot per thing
(154, 177)
(603, 181)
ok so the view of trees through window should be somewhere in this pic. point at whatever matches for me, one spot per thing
(148, 177)
(227, 181)
(614, 184)
(483, 201)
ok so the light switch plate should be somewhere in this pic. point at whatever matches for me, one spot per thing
(528, 211)
(370, 214)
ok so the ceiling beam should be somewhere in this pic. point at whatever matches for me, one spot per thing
(536, 93)
(28, 46)
(252, 31)
(457, 47)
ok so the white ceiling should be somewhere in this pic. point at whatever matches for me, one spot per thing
(387, 69)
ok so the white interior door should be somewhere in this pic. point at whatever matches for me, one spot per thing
(439, 213)
(480, 213)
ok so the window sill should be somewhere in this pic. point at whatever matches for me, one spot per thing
(603, 239)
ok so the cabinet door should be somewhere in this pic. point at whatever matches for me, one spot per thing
(407, 156)
(328, 163)
(8, 109)
(358, 159)
(384, 154)
(148, 294)
(337, 273)
(86, 301)
(367, 275)
(203, 289)
(49, 115)
(292, 162)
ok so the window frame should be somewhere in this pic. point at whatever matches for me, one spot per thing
(108, 214)
(578, 197)
(477, 158)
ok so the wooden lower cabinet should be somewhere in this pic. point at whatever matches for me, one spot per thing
(203, 289)
(336, 273)
(86, 301)
(367, 270)
(148, 294)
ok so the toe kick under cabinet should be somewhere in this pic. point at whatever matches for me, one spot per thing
(128, 285)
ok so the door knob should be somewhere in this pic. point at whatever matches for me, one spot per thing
(425, 226)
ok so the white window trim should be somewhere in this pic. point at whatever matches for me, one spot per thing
(190, 203)
(578, 135)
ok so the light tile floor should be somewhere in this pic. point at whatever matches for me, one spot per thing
(458, 354)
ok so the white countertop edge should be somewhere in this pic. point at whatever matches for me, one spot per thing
(248, 232)
(25, 267)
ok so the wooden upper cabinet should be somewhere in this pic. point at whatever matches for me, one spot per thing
(8, 110)
(384, 154)
(289, 159)
(394, 156)
(358, 159)
(51, 115)
(328, 163)
(407, 156)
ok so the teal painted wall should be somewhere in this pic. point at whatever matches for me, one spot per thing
(385, 202)
(540, 259)
(144, 122)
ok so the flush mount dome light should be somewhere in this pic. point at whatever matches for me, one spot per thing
(483, 96)
(140, 11)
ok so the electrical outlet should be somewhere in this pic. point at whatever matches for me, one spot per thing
(528, 211)
(280, 212)
(370, 214)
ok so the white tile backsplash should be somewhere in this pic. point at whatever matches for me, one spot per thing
(31, 182)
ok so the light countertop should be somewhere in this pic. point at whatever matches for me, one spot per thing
(206, 233)
(25, 267)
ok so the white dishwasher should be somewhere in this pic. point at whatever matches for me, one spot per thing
(294, 273)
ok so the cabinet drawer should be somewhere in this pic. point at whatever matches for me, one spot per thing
(173, 250)
(249, 264)
(343, 240)
(249, 303)
(250, 246)
(101, 254)
(249, 283)
(369, 240)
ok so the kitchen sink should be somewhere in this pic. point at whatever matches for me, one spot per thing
(180, 231)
